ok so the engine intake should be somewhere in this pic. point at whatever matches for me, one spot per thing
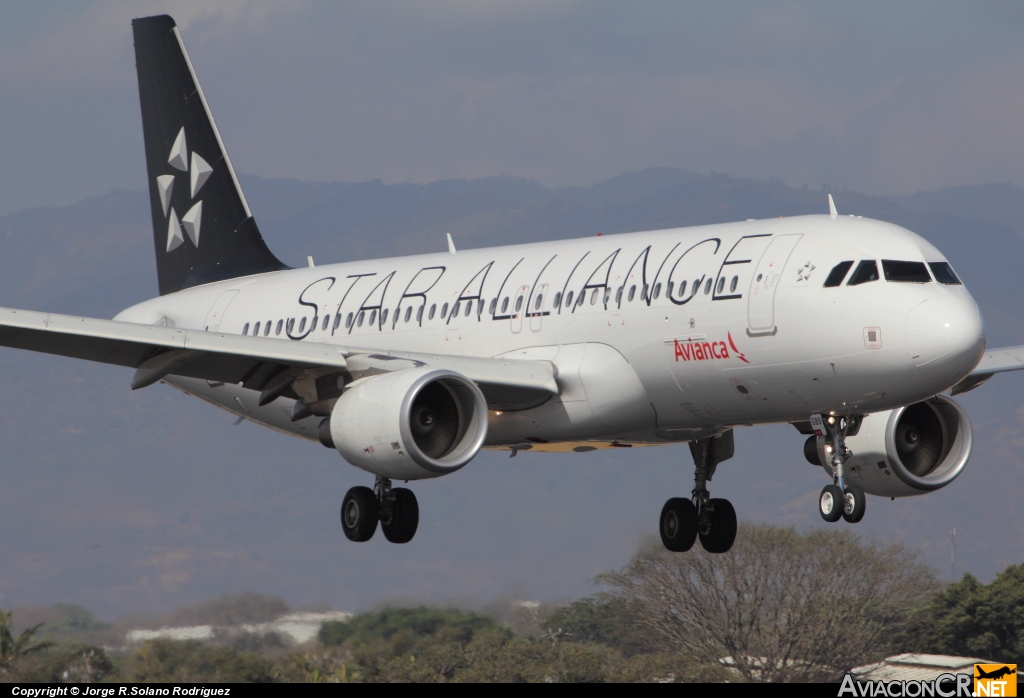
(409, 425)
(907, 451)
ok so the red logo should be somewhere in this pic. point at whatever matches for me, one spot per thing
(689, 350)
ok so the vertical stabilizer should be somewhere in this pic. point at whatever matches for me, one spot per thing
(203, 229)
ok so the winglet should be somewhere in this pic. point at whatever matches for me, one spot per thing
(832, 207)
(451, 245)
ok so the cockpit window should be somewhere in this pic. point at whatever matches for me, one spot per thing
(838, 273)
(866, 271)
(905, 272)
(944, 273)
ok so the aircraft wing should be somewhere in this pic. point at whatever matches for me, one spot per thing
(994, 361)
(156, 351)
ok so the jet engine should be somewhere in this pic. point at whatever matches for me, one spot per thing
(903, 452)
(408, 425)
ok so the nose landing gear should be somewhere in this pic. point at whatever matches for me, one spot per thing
(711, 520)
(838, 500)
(396, 509)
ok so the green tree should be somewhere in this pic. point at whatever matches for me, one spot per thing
(12, 649)
(191, 660)
(972, 619)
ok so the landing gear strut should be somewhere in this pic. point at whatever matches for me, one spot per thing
(711, 520)
(395, 508)
(838, 500)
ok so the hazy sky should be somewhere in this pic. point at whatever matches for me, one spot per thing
(880, 98)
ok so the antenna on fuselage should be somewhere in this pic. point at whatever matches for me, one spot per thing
(832, 207)
(451, 245)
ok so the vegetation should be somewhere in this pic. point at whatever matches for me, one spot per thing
(971, 619)
(780, 606)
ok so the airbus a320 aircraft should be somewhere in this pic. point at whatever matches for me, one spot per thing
(845, 327)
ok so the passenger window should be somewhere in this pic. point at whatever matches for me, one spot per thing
(536, 303)
(277, 330)
(432, 308)
(519, 304)
(682, 288)
(643, 293)
(373, 316)
(632, 292)
(593, 297)
(469, 308)
(302, 325)
(444, 311)
(582, 297)
(504, 304)
(348, 321)
(290, 325)
(721, 285)
(256, 330)
(408, 313)
(312, 324)
(905, 272)
(669, 289)
(327, 319)
(479, 307)
(838, 273)
(359, 319)
(245, 330)
(707, 287)
(866, 271)
(732, 284)
(944, 273)
(568, 299)
(494, 304)
(696, 287)
(558, 299)
(657, 289)
(383, 316)
(266, 328)
(419, 314)
(618, 294)
(607, 294)
(455, 309)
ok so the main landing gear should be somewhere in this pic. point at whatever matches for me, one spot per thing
(396, 510)
(711, 520)
(838, 500)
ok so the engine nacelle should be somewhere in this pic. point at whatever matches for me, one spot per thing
(408, 425)
(907, 451)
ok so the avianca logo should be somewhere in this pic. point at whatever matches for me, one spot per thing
(689, 350)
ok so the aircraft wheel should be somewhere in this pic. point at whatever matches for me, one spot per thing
(359, 514)
(405, 517)
(854, 503)
(723, 527)
(830, 503)
(678, 526)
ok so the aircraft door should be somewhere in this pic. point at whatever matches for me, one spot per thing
(519, 309)
(767, 274)
(220, 306)
(537, 312)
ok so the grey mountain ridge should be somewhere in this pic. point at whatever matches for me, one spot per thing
(187, 507)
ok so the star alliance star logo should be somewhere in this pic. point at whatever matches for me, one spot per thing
(804, 272)
(199, 171)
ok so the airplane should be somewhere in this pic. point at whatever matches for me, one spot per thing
(848, 328)
(994, 674)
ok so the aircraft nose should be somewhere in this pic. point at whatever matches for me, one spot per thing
(946, 336)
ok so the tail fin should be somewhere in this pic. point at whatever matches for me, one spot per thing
(202, 226)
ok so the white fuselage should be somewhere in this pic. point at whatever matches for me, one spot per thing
(761, 340)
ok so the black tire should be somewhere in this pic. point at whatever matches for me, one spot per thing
(678, 524)
(405, 517)
(830, 503)
(854, 504)
(723, 527)
(359, 514)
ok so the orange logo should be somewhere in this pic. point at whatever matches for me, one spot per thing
(995, 680)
